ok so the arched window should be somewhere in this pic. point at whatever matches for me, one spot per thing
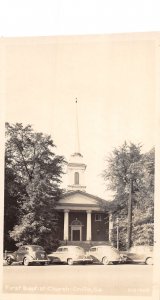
(76, 222)
(76, 178)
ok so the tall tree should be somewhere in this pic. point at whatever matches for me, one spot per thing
(143, 210)
(14, 191)
(37, 172)
(124, 164)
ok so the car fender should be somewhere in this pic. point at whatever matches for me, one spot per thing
(11, 256)
(53, 257)
(29, 257)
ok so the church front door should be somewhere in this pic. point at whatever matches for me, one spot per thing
(76, 230)
(76, 235)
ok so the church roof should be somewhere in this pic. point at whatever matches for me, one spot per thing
(99, 200)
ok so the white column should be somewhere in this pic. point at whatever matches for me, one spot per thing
(89, 233)
(110, 227)
(66, 223)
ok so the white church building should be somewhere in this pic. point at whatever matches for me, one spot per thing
(82, 217)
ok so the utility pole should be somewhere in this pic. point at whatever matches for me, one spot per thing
(129, 231)
(117, 225)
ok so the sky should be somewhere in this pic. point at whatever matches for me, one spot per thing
(95, 50)
(113, 78)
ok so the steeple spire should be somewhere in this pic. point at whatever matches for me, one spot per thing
(76, 166)
(77, 143)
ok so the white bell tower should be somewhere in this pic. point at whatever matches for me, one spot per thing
(76, 166)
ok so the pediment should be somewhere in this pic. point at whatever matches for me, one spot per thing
(80, 198)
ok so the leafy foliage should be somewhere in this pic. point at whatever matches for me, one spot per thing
(33, 171)
(13, 192)
(126, 163)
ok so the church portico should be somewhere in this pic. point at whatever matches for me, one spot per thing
(66, 223)
(81, 226)
(83, 217)
(89, 226)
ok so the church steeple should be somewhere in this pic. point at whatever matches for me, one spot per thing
(77, 143)
(76, 167)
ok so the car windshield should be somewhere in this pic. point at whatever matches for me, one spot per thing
(75, 249)
(106, 248)
(70, 249)
(79, 249)
(35, 248)
(59, 249)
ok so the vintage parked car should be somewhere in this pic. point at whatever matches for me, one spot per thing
(142, 254)
(28, 254)
(105, 254)
(70, 255)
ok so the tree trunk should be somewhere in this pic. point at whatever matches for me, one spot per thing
(129, 229)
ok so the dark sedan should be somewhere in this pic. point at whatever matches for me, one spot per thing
(28, 254)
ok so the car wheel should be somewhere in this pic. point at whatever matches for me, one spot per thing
(25, 261)
(43, 263)
(70, 261)
(149, 261)
(9, 261)
(105, 261)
